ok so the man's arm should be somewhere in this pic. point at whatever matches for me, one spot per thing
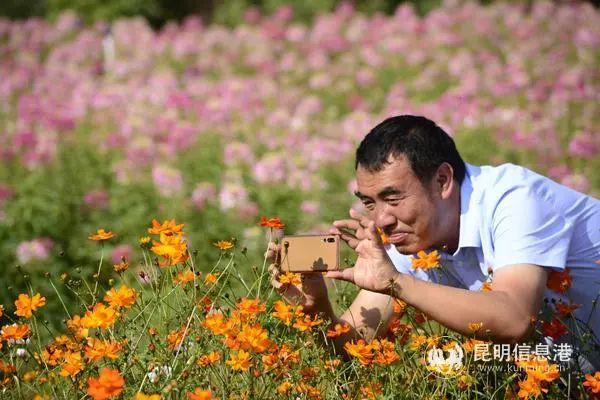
(505, 312)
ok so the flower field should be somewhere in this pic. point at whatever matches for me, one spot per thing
(104, 128)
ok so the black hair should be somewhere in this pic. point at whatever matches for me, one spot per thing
(425, 145)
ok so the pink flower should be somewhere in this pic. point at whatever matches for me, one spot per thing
(96, 199)
(35, 250)
(121, 251)
(577, 182)
(168, 181)
(584, 145)
(205, 191)
(310, 207)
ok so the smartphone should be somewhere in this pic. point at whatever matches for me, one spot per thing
(310, 253)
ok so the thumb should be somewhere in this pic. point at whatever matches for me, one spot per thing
(343, 275)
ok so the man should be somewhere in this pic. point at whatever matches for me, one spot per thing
(506, 225)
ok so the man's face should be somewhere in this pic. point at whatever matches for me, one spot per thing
(401, 206)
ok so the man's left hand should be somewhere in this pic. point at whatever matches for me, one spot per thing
(373, 270)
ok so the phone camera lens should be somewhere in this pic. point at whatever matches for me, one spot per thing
(330, 240)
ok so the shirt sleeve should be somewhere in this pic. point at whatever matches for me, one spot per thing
(528, 229)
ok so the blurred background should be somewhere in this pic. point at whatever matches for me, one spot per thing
(116, 112)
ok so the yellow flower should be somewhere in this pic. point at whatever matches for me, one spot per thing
(145, 242)
(239, 361)
(26, 305)
(101, 234)
(284, 387)
(123, 297)
(426, 261)
(223, 244)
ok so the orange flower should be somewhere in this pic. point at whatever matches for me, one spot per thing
(208, 359)
(286, 312)
(142, 396)
(250, 307)
(200, 394)
(426, 261)
(332, 364)
(284, 387)
(555, 328)
(384, 238)
(274, 223)
(290, 278)
(26, 305)
(168, 227)
(360, 350)
(475, 326)
(338, 330)
(183, 277)
(307, 323)
(210, 278)
(486, 287)
(560, 282)
(371, 390)
(592, 383)
(470, 344)
(108, 384)
(100, 317)
(14, 332)
(72, 364)
(215, 323)
(400, 330)
(538, 368)
(254, 338)
(529, 387)
(96, 349)
(417, 341)
(123, 297)
(239, 361)
(172, 248)
(101, 234)
(566, 309)
(399, 306)
(223, 244)
(121, 267)
(75, 324)
(175, 338)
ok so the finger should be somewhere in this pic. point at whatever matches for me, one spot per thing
(351, 224)
(350, 240)
(363, 219)
(343, 275)
(373, 234)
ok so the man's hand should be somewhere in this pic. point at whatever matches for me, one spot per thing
(373, 269)
(313, 296)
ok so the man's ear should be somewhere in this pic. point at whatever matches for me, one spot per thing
(443, 180)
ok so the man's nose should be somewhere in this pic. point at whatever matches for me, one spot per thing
(383, 218)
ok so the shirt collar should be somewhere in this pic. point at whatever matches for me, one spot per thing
(469, 210)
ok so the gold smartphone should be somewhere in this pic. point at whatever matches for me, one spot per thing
(310, 253)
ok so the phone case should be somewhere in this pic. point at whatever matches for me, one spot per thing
(304, 253)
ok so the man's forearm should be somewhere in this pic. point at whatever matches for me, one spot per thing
(456, 308)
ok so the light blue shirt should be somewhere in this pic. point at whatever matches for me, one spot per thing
(511, 215)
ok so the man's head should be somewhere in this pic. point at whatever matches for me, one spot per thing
(409, 173)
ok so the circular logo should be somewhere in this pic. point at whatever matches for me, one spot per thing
(446, 360)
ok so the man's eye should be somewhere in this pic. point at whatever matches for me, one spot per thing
(368, 205)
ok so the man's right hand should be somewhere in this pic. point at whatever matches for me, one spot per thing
(312, 296)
